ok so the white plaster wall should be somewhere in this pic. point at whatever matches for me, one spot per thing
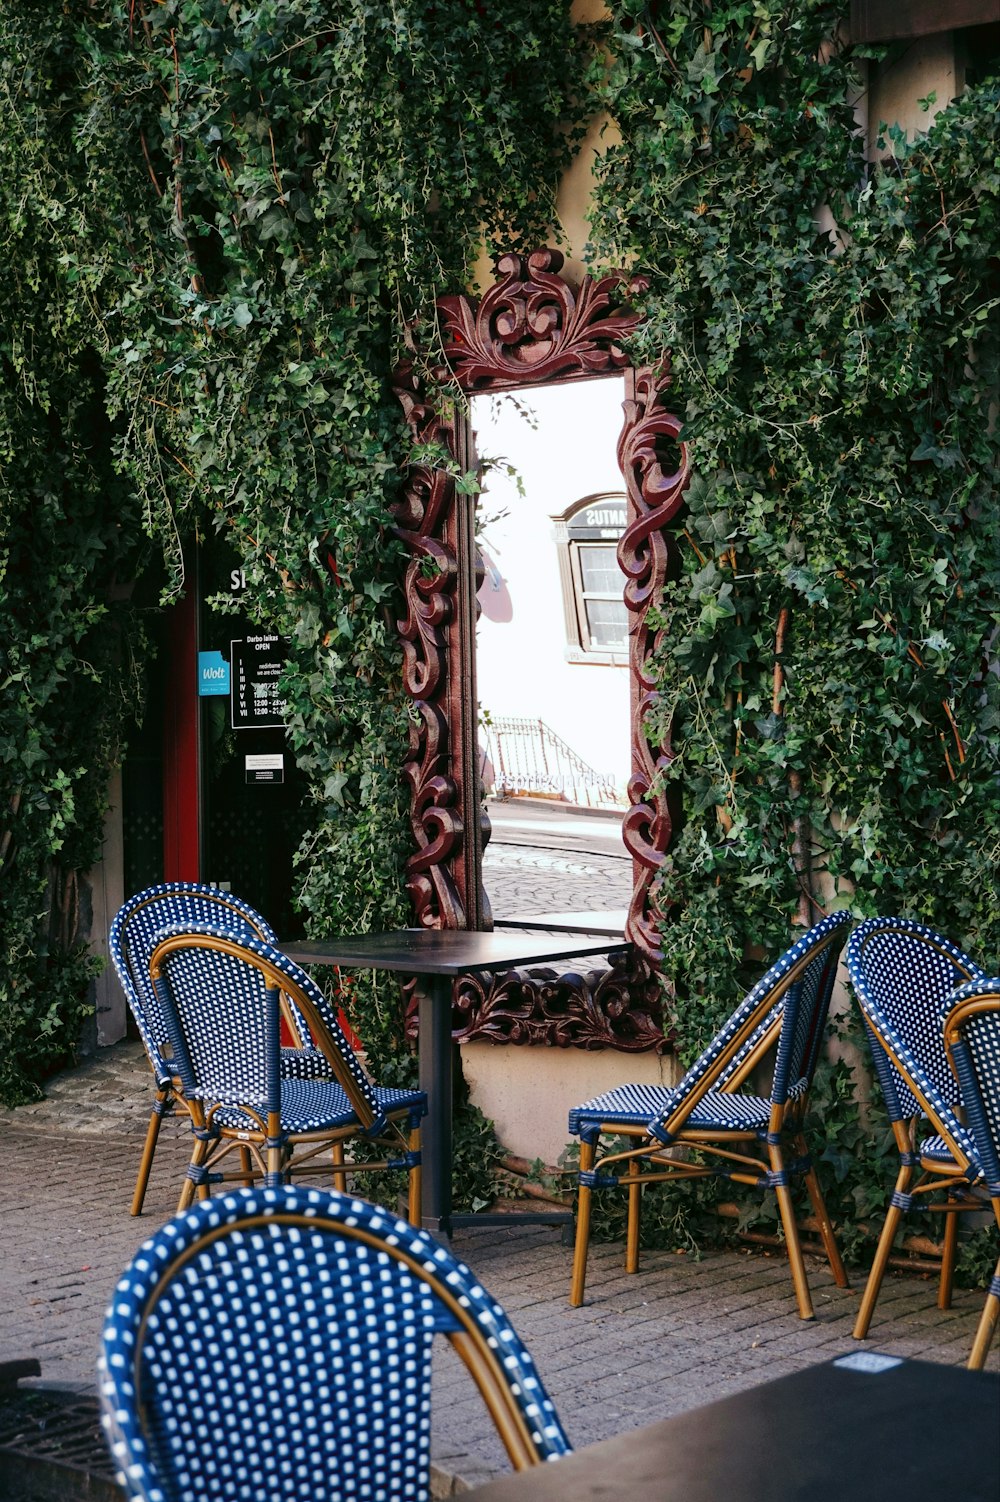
(564, 451)
(926, 67)
(528, 1092)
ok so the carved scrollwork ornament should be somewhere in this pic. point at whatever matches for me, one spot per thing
(532, 327)
(617, 1007)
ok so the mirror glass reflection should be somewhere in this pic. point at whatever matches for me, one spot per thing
(552, 649)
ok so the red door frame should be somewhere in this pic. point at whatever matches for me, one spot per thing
(181, 758)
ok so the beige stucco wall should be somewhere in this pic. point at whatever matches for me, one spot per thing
(926, 67)
(528, 1092)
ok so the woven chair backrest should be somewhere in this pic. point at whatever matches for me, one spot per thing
(218, 992)
(901, 972)
(972, 1039)
(277, 1343)
(133, 935)
(786, 1011)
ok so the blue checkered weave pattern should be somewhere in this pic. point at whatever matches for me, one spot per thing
(276, 1344)
(639, 1105)
(972, 1034)
(972, 1040)
(799, 1009)
(901, 973)
(133, 937)
(221, 1017)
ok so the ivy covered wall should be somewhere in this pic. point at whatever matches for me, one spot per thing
(70, 542)
(824, 653)
(236, 220)
(222, 226)
(828, 656)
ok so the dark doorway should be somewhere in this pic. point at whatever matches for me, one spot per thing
(210, 790)
(252, 793)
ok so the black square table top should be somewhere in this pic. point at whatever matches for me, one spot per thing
(428, 951)
(862, 1428)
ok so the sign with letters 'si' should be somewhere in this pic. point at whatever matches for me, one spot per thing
(257, 663)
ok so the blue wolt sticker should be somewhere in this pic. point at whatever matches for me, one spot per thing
(213, 674)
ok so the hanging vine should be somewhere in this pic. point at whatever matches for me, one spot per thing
(253, 206)
(69, 544)
(825, 653)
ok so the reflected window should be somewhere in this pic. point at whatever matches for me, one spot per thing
(587, 536)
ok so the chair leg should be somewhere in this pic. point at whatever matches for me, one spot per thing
(583, 1197)
(246, 1163)
(794, 1250)
(882, 1251)
(634, 1212)
(987, 1324)
(792, 1245)
(413, 1202)
(339, 1177)
(160, 1107)
(198, 1155)
(948, 1256)
(825, 1224)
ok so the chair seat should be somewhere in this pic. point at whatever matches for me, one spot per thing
(937, 1150)
(315, 1105)
(639, 1105)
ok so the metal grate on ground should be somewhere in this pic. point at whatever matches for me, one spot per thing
(52, 1448)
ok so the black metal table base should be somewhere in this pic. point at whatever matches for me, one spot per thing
(436, 957)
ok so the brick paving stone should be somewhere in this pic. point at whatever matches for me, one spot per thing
(526, 879)
(679, 1333)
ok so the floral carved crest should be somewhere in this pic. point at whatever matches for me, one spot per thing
(532, 326)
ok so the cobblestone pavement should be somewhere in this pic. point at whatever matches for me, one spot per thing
(535, 863)
(643, 1347)
(523, 879)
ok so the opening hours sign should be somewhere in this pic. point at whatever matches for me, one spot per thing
(257, 663)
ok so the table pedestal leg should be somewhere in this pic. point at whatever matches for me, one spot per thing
(435, 1055)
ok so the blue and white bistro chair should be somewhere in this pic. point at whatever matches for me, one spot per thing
(972, 1041)
(132, 938)
(742, 1137)
(276, 1343)
(220, 994)
(901, 973)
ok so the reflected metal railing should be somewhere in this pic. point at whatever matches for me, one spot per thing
(528, 756)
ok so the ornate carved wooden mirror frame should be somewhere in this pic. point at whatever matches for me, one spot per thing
(532, 327)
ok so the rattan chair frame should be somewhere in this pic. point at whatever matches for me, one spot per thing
(762, 1024)
(131, 962)
(909, 1093)
(971, 1033)
(271, 1150)
(257, 1227)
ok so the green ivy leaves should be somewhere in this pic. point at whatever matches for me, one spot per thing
(234, 217)
(824, 647)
